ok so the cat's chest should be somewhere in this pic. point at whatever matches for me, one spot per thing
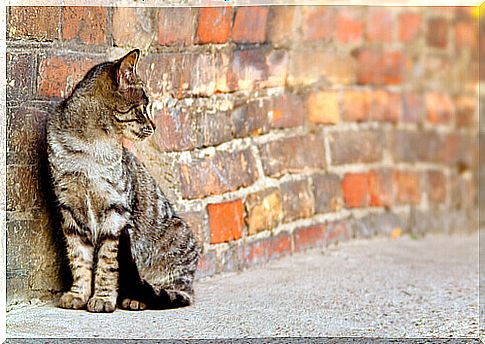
(97, 159)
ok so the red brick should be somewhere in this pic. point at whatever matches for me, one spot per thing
(355, 105)
(385, 106)
(392, 67)
(250, 24)
(413, 146)
(349, 147)
(379, 25)
(280, 30)
(408, 187)
(207, 265)
(209, 72)
(461, 151)
(153, 70)
(349, 26)
(439, 108)
(318, 22)
(338, 231)
(217, 174)
(256, 252)
(297, 199)
(309, 237)
(377, 67)
(20, 76)
(280, 245)
(170, 30)
(437, 32)
(466, 114)
(24, 188)
(39, 23)
(212, 129)
(466, 34)
(355, 190)
(409, 26)
(288, 111)
(129, 26)
(327, 192)
(263, 210)
(412, 107)
(277, 62)
(25, 135)
(293, 155)
(214, 24)
(381, 188)
(252, 118)
(310, 66)
(175, 130)
(231, 258)
(436, 186)
(225, 221)
(197, 223)
(323, 107)
(248, 69)
(59, 74)
(86, 24)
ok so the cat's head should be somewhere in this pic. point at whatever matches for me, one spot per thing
(131, 107)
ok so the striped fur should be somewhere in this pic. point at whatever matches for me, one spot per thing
(125, 243)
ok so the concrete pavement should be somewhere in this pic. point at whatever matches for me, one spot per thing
(380, 287)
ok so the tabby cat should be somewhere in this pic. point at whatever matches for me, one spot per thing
(124, 242)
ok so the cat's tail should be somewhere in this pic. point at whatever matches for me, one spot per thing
(172, 298)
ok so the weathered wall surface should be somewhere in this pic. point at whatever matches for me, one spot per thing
(279, 128)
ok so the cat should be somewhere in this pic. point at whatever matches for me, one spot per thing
(125, 244)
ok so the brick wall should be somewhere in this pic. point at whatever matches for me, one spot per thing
(279, 128)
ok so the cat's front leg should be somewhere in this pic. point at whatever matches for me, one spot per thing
(80, 253)
(106, 275)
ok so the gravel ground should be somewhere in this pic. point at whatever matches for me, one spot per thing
(377, 288)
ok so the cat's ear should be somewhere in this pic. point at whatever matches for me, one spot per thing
(126, 71)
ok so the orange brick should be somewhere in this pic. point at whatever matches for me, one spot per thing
(86, 24)
(385, 106)
(379, 26)
(323, 107)
(250, 24)
(349, 26)
(380, 188)
(356, 106)
(466, 34)
(319, 22)
(225, 221)
(214, 24)
(355, 190)
(439, 108)
(409, 26)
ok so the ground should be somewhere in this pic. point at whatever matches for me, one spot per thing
(404, 287)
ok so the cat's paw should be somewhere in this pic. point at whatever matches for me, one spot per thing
(133, 305)
(98, 304)
(72, 300)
